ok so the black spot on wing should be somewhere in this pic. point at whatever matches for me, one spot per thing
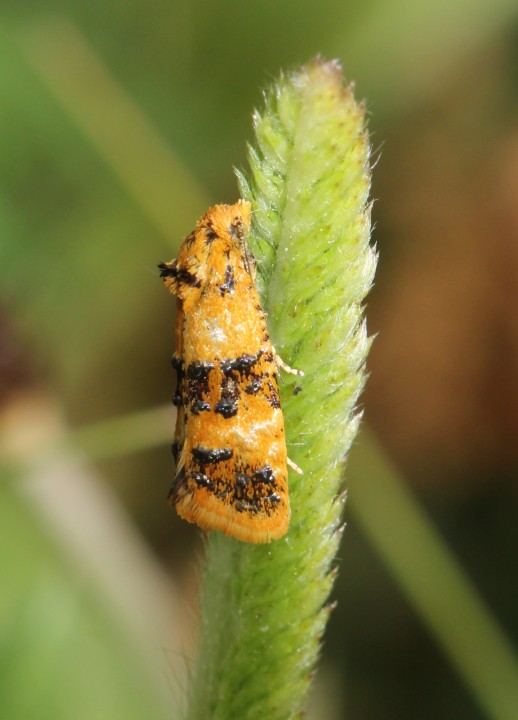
(227, 406)
(211, 235)
(176, 363)
(264, 474)
(209, 456)
(242, 480)
(273, 395)
(199, 406)
(168, 270)
(242, 364)
(199, 370)
(181, 274)
(202, 480)
(198, 386)
(254, 386)
(274, 401)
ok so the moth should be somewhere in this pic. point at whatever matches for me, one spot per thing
(229, 444)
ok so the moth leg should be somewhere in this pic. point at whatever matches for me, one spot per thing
(295, 467)
(282, 365)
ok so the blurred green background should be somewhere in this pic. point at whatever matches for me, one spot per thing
(121, 122)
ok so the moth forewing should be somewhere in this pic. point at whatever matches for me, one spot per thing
(229, 443)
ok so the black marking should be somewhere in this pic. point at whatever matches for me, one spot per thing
(199, 370)
(185, 277)
(297, 389)
(167, 270)
(264, 475)
(227, 407)
(189, 240)
(242, 364)
(176, 363)
(206, 456)
(198, 386)
(181, 274)
(211, 235)
(274, 498)
(274, 401)
(273, 398)
(229, 285)
(175, 449)
(202, 480)
(228, 404)
(240, 507)
(199, 406)
(242, 480)
(178, 366)
(254, 387)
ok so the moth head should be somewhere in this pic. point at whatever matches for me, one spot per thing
(229, 221)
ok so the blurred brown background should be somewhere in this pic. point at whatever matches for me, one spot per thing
(121, 122)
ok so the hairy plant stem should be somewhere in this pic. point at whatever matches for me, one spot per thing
(263, 608)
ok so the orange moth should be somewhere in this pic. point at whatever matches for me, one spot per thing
(229, 444)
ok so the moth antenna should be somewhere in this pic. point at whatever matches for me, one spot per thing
(247, 255)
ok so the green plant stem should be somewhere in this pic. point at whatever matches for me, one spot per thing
(263, 607)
